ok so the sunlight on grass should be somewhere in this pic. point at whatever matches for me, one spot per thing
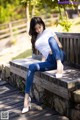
(25, 54)
(76, 21)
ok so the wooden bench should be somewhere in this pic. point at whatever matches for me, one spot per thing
(62, 94)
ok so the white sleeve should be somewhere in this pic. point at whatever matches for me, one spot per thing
(51, 31)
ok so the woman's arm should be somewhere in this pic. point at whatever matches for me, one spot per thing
(59, 43)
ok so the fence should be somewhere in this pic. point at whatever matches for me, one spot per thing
(13, 28)
(71, 45)
(19, 26)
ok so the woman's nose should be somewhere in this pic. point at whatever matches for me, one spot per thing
(38, 30)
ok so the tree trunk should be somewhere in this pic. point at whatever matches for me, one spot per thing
(33, 8)
(60, 12)
(28, 16)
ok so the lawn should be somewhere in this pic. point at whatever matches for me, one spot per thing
(25, 54)
(75, 28)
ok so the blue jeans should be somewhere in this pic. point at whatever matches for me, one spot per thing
(49, 64)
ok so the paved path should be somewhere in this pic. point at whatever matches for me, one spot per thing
(7, 52)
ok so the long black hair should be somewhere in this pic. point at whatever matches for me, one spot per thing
(32, 32)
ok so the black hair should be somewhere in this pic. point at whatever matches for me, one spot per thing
(32, 32)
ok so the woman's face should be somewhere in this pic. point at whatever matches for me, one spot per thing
(39, 28)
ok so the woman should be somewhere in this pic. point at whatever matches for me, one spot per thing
(47, 43)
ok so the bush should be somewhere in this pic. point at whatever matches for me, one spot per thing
(65, 23)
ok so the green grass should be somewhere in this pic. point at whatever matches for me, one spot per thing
(25, 54)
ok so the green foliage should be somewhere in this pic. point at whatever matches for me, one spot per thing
(15, 9)
(65, 23)
(9, 11)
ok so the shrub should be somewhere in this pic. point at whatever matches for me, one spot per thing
(65, 23)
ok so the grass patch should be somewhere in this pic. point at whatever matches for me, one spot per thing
(78, 23)
(23, 55)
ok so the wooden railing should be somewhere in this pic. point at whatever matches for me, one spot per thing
(71, 46)
(13, 28)
(19, 26)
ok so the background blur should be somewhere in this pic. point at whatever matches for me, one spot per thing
(15, 16)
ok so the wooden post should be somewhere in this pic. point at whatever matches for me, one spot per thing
(11, 32)
(27, 14)
(33, 9)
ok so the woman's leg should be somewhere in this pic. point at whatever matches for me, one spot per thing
(43, 66)
(57, 54)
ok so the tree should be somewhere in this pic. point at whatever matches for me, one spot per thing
(8, 10)
(29, 4)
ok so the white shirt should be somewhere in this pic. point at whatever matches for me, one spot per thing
(42, 44)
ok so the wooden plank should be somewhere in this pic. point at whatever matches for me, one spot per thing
(71, 51)
(18, 116)
(32, 114)
(17, 21)
(67, 51)
(18, 71)
(19, 26)
(2, 82)
(4, 35)
(15, 105)
(7, 91)
(76, 50)
(11, 96)
(39, 115)
(9, 108)
(79, 51)
(24, 62)
(19, 31)
(5, 30)
(56, 89)
(9, 102)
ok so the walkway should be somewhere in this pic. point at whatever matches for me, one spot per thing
(8, 52)
(11, 100)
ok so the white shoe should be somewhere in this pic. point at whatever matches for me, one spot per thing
(59, 75)
(26, 109)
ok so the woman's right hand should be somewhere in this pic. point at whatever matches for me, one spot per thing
(50, 52)
(60, 45)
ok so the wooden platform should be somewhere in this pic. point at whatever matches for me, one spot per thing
(11, 100)
(61, 87)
